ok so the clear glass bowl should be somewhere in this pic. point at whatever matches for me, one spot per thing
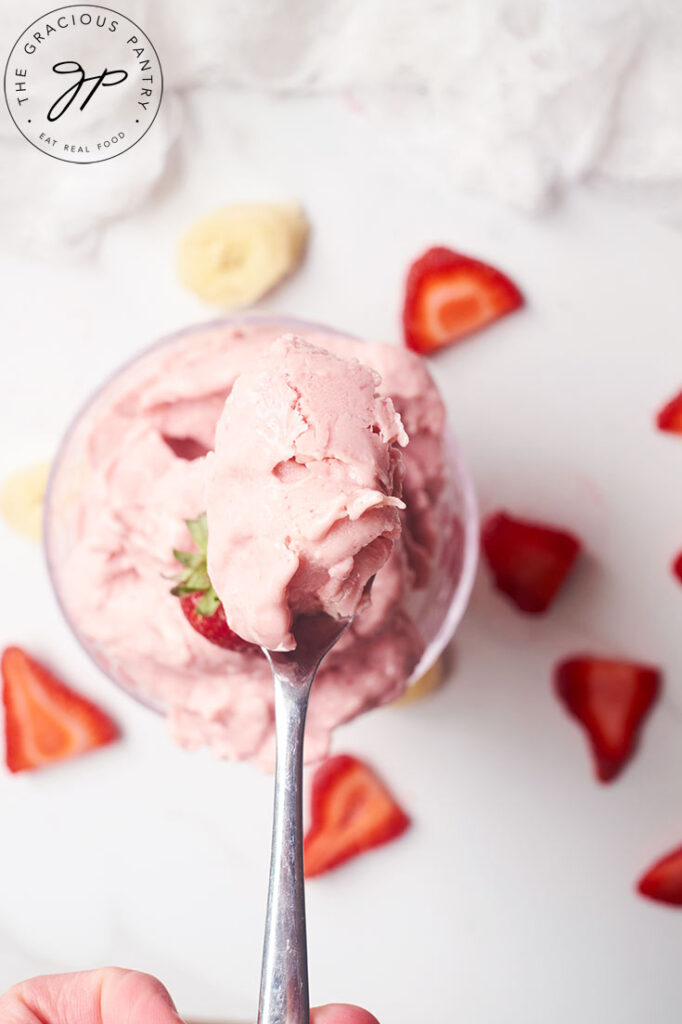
(437, 608)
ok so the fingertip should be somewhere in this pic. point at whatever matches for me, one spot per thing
(143, 997)
(342, 1013)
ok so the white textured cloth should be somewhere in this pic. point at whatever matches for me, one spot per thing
(514, 99)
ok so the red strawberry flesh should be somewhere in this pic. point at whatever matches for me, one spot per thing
(449, 296)
(663, 881)
(677, 567)
(352, 811)
(669, 419)
(45, 721)
(611, 699)
(188, 448)
(214, 627)
(529, 561)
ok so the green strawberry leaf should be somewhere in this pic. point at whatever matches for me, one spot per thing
(197, 579)
(190, 559)
(208, 604)
(198, 529)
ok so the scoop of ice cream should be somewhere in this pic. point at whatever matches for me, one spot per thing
(303, 490)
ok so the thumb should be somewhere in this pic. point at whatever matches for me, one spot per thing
(341, 1013)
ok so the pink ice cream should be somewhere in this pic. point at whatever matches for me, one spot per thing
(134, 468)
(303, 490)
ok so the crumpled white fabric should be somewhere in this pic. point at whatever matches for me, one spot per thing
(513, 99)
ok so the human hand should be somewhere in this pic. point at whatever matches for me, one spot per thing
(115, 996)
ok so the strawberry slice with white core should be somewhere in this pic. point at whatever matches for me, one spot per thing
(45, 721)
(663, 881)
(449, 296)
(352, 811)
(611, 699)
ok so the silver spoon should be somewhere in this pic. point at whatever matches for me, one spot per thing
(284, 974)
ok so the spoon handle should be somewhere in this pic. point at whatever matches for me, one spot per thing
(284, 977)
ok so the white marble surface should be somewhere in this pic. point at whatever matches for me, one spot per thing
(511, 900)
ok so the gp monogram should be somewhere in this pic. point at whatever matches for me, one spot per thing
(83, 83)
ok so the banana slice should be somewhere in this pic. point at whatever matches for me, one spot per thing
(426, 684)
(21, 500)
(235, 255)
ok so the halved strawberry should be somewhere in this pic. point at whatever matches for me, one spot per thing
(45, 721)
(670, 416)
(201, 605)
(610, 699)
(663, 881)
(449, 296)
(677, 567)
(352, 811)
(529, 561)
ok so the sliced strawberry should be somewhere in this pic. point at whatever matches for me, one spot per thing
(449, 296)
(352, 811)
(45, 721)
(663, 881)
(610, 699)
(213, 627)
(529, 561)
(201, 605)
(677, 567)
(670, 416)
